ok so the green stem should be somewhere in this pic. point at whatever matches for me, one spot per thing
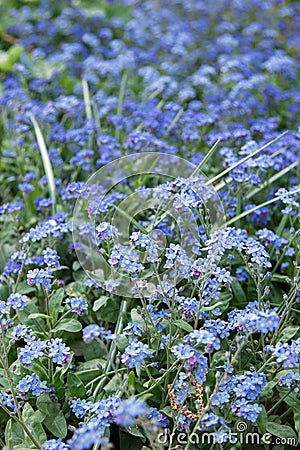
(278, 403)
(157, 382)
(19, 418)
(113, 348)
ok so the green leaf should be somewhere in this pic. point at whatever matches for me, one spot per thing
(38, 316)
(288, 333)
(55, 303)
(262, 420)
(75, 385)
(132, 441)
(38, 367)
(71, 325)
(90, 369)
(14, 434)
(292, 399)
(77, 288)
(168, 411)
(222, 304)
(76, 266)
(281, 431)
(137, 317)
(4, 380)
(9, 58)
(281, 278)
(24, 288)
(113, 385)
(33, 420)
(238, 292)
(268, 388)
(111, 310)
(183, 325)
(121, 342)
(55, 420)
(297, 423)
(100, 302)
(131, 382)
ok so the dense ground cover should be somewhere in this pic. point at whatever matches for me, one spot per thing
(165, 309)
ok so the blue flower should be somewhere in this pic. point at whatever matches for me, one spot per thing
(106, 231)
(129, 410)
(51, 258)
(93, 331)
(246, 410)
(40, 277)
(32, 383)
(33, 349)
(209, 420)
(54, 444)
(288, 354)
(220, 398)
(133, 328)
(158, 418)
(58, 351)
(80, 407)
(17, 301)
(136, 354)
(9, 208)
(204, 337)
(8, 401)
(77, 304)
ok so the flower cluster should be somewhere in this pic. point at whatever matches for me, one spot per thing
(211, 261)
(36, 348)
(285, 353)
(136, 354)
(32, 384)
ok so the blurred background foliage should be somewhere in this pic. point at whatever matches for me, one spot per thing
(10, 51)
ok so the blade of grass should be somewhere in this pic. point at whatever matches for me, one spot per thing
(156, 93)
(273, 179)
(206, 157)
(87, 99)
(251, 155)
(255, 208)
(46, 162)
(174, 121)
(121, 100)
(159, 106)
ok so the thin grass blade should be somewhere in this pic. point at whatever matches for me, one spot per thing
(46, 162)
